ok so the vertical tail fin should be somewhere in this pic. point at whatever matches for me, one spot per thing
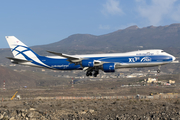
(19, 49)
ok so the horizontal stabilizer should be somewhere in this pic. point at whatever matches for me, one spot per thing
(16, 60)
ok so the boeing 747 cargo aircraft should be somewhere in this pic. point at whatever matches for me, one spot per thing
(91, 63)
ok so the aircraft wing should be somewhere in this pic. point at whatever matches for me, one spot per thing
(76, 60)
(69, 57)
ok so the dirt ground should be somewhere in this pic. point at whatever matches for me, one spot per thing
(112, 87)
(102, 109)
(30, 108)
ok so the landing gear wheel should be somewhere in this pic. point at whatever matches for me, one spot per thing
(95, 73)
(88, 73)
(158, 71)
(92, 72)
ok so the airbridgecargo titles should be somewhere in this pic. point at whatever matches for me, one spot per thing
(91, 63)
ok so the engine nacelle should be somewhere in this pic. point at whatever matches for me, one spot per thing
(109, 67)
(87, 63)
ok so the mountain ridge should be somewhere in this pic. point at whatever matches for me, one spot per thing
(131, 36)
(123, 40)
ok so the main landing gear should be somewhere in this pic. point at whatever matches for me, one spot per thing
(92, 73)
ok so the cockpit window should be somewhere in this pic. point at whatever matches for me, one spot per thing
(162, 51)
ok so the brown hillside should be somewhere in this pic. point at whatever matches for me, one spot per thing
(17, 79)
(14, 79)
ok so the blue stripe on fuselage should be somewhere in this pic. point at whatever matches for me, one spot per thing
(63, 64)
(138, 59)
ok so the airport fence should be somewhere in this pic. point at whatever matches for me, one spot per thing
(162, 96)
(145, 97)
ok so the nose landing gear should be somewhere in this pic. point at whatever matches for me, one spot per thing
(159, 67)
(158, 71)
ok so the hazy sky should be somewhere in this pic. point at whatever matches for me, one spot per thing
(39, 22)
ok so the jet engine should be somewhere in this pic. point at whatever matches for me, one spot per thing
(87, 63)
(109, 67)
